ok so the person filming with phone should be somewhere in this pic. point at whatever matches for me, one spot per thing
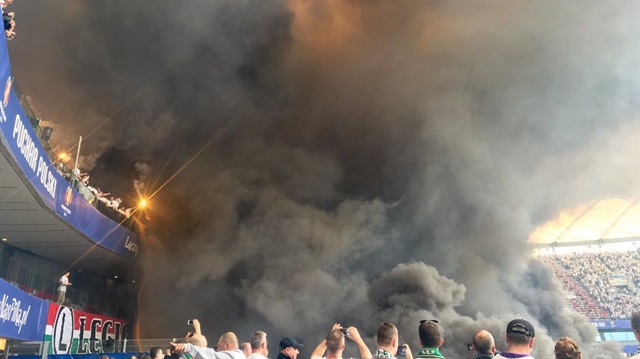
(387, 340)
(335, 343)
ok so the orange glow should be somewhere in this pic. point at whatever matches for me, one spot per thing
(143, 203)
(603, 219)
(63, 157)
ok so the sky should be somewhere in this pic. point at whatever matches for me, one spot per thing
(314, 162)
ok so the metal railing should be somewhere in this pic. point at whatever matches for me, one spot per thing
(47, 288)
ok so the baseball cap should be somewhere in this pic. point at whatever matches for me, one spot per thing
(521, 326)
(289, 342)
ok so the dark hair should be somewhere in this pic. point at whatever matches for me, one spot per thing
(429, 332)
(335, 339)
(567, 348)
(154, 351)
(518, 339)
(386, 333)
(635, 321)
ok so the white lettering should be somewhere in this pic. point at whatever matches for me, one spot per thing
(46, 177)
(131, 246)
(12, 312)
(30, 153)
(24, 142)
(3, 116)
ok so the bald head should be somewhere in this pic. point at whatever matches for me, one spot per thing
(246, 348)
(198, 340)
(483, 342)
(228, 341)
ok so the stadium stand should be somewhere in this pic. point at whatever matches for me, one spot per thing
(600, 285)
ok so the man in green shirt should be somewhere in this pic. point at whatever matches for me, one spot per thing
(430, 339)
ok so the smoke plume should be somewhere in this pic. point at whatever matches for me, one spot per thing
(348, 161)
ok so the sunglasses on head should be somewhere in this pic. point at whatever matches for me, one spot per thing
(430, 320)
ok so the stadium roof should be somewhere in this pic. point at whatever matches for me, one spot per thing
(612, 218)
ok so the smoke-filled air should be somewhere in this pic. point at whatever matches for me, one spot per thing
(313, 162)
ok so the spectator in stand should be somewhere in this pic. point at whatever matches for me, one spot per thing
(387, 340)
(259, 346)
(9, 25)
(62, 287)
(289, 348)
(245, 347)
(484, 345)
(430, 339)
(635, 325)
(102, 197)
(334, 343)
(603, 283)
(567, 348)
(520, 337)
(227, 348)
(127, 213)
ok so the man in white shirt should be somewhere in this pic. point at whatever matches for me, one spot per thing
(227, 348)
(62, 288)
(259, 348)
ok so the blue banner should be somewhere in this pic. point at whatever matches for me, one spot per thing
(611, 324)
(19, 137)
(22, 316)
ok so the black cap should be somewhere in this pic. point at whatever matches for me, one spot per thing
(521, 326)
(289, 342)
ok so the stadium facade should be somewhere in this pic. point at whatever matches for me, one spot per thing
(48, 226)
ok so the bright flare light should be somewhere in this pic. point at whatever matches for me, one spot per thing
(63, 157)
(143, 203)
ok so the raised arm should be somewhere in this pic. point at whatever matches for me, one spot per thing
(354, 335)
(318, 352)
(196, 326)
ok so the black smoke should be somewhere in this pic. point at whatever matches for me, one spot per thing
(357, 161)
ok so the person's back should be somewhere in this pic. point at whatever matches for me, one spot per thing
(484, 345)
(259, 346)
(520, 338)
(227, 349)
(430, 339)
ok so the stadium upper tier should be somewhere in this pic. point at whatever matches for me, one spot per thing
(40, 211)
(599, 285)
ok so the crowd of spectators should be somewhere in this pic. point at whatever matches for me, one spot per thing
(103, 201)
(520, 337)
(8, 20)
(610, 279)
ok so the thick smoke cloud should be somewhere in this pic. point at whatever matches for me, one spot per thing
(361, 161)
